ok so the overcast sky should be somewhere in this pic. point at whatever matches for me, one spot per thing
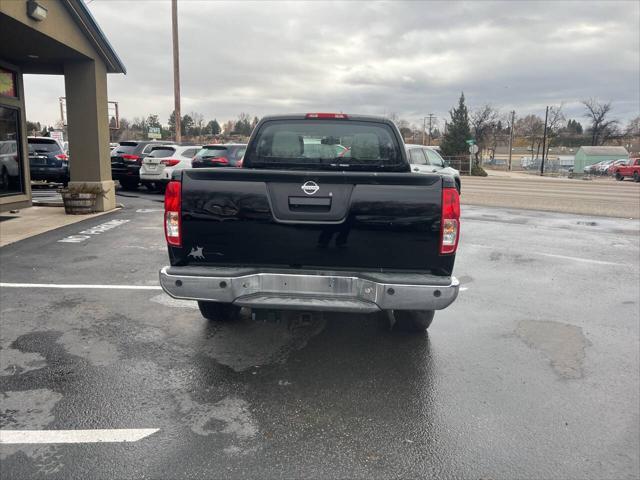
(364, 57)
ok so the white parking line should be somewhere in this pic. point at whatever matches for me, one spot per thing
(80, 286)
(75, 436)
(552, 255)
(584, 260)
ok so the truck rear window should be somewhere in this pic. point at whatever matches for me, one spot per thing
(325, 144)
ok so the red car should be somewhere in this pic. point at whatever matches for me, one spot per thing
(630, 170)
(614, 166)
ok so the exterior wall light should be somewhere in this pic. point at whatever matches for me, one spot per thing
(36, 11)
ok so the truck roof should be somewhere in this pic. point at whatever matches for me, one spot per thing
(347, 116)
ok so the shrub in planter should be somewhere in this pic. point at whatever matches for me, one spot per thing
(478, 171)
(80, 199)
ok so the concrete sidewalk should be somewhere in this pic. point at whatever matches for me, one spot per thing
(32, 221)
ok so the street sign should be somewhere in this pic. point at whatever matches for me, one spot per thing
(154, 133)
(473, 149)
(471, 141)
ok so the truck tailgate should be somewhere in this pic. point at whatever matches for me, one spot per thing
(312, 220)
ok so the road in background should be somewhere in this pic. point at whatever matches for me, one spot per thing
(531, 373)
(589, 197)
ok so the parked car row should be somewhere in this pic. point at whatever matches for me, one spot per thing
(605, 167)
(152, 163)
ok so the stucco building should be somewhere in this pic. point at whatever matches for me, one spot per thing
(58, 37)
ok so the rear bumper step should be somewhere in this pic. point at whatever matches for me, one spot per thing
(311, 291)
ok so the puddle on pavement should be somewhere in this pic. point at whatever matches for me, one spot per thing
(90, 347)
(248, 343)
(15, 362)
(30, 410)
(229, 417)
(563, 344)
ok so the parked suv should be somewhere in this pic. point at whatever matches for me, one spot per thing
(428, 160)
(126, 160)
(228, 155)
(158, 166)
(47, 160)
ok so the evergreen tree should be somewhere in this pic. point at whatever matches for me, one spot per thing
(458, 131)
(213, 127)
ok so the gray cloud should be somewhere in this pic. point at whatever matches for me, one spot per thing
(409, 58)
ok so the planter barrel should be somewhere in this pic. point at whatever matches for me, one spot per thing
(78, 203)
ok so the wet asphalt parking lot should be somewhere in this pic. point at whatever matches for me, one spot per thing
(532, 373)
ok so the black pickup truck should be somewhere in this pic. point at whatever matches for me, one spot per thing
(324, 215)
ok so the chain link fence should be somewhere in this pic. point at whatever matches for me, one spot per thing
(460, 163)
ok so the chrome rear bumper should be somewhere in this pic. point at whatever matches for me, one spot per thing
(331, 291)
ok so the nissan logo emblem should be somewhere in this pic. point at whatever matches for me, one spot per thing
(310, 187)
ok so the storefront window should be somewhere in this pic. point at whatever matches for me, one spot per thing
(8, 83)
(11, 174)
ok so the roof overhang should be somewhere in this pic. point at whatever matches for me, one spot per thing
(82, 16)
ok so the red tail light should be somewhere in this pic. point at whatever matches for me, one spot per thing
(450, 226)
(131, 158)
(240, 162)
(62, 156)
(171, 162)
(327, 115)
(172, 217)
(220, 160)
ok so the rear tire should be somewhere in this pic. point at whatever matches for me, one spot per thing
(4, 179)
(129, 184)
(636, 177)
(219, 312)
(413, 321)
(619, 176)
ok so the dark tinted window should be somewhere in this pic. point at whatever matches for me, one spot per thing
(311, 143)
(43, 146)
(125, 147)
(162, 152)
(212, 152)
(11, 175)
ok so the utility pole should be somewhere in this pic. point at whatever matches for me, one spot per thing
(431, 117)
(513, 117)
(424, 130)
(544, 142)
(176, 71)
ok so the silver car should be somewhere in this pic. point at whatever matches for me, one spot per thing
(427, 160)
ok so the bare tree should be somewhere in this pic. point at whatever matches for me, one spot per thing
(601, 128)
(555, 122)
(532, 128)
(404, 126)
(633, 128)
(483, 122)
